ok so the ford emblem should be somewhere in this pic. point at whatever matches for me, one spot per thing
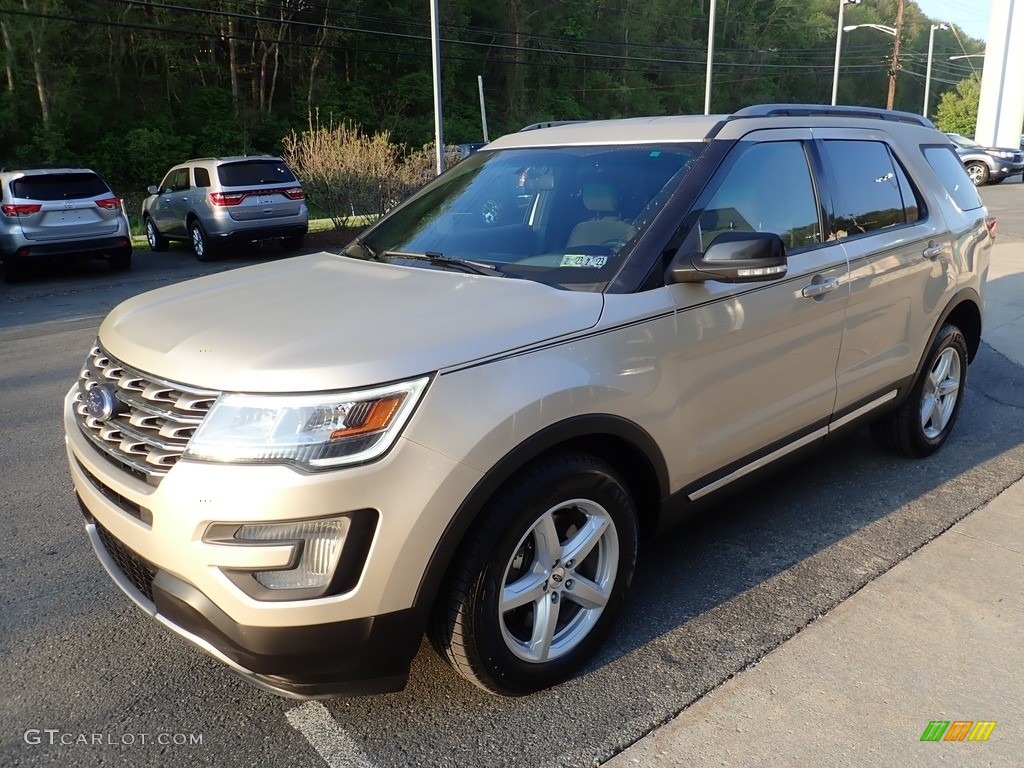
(101, 403)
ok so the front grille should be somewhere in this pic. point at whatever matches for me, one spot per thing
(139, 572)
(137, 511)
(153, 422)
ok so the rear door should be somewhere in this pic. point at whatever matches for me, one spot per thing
(900, 255)
(63, 206)
(261, 189)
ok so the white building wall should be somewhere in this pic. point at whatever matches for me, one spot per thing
(1001, 109)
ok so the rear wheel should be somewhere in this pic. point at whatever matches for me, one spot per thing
(121, 261)
(201, 245)
(292, 243)
(157, 242)
(13, 273)
(926, 419)
(540, 577)
(978, 173)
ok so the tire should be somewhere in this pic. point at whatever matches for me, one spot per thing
(13, 273)
(292, 243)
(924, 422)
(201, 245)
(978, 172)
(157, 242)
(577, 500)
(121, 261)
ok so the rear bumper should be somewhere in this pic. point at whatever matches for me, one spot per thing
(260, 233)
(20, 248)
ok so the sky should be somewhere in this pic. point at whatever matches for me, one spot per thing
(969, 15)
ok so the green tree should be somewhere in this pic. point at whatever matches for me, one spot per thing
(958, 110)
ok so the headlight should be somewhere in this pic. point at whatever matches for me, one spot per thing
(1004, 155)
(312, 431)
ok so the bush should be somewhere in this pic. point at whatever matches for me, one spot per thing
(348, 174)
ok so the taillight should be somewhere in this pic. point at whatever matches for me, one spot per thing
(109, 203)
(20, 209)
(226, 198)
(294, 193)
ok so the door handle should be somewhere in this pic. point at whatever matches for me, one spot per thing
(814, 290)
(933, 251)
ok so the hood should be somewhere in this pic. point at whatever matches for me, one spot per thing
(326, 322)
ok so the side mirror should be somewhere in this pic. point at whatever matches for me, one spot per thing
(732, 257)
(153, 189)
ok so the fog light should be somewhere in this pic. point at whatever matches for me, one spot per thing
(319, 545)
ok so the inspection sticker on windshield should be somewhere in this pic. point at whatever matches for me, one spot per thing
(582, 260)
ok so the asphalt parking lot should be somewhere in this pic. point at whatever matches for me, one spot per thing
(89, 680)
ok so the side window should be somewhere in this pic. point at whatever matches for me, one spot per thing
(947, 166)
(181, 181)
(202, 177)
(769, 189)
(868, 192)
(167, 184)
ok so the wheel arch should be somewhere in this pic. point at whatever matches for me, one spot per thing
(964, 311)
(622, 444)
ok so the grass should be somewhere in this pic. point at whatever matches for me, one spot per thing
(315, 225)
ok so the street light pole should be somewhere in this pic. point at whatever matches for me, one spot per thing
(928, 70)
(839, 45)
(711, 56)
(435, 50)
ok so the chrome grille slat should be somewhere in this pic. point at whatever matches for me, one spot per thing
(162, 416)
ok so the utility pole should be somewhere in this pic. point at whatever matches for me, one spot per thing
(895, 66)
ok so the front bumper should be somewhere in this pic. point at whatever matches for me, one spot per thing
(150, 539)
(355, 657)
(1005, 170)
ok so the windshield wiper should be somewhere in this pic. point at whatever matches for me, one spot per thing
(440, 260)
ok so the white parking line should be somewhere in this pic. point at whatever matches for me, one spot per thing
(328, 738)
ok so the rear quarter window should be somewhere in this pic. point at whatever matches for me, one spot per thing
(59, 186)
(250, 173)
(950, 170)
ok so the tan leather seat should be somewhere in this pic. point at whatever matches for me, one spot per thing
(606, 228)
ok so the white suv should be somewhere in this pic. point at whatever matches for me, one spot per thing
(577, 336)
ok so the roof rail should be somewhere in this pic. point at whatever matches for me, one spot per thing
(824, 110)
(550, 124)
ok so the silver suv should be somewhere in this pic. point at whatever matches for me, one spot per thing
(60, 212)
(214, 201)
(464, 423)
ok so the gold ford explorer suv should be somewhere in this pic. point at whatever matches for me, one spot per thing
(462, 424)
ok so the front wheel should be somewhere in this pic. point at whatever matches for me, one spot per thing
(924, 422)
(157, 242)
(540, 577)
(978, 173)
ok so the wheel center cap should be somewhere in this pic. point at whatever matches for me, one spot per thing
(557, 577)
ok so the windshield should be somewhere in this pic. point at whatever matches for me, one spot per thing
(562, 216)
(963, 141)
